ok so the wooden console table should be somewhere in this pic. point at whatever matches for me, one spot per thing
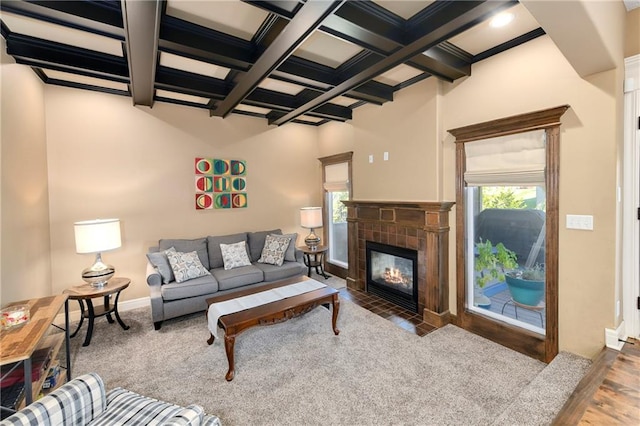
(18, 344)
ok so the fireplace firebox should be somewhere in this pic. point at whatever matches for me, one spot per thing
(392, 273)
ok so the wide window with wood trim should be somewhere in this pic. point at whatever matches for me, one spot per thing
(507, 231)
(336, 178)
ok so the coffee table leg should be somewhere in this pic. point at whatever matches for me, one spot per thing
(229, 342)
(334, 317)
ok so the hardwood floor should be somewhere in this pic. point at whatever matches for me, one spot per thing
(610, 392)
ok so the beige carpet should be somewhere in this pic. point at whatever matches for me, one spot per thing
(300, 373)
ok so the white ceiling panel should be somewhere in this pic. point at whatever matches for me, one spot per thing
(280, 86)
(60, 34)
(327, 50)
(81, 79)
(187, 64)
(229, 16)
(255, 109)
(343, 100)
(311, 119)
(483, 37)
(182, 97)
(398, 75)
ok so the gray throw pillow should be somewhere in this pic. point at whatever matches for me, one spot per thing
(185, 266)
(256, 242)
(290, 254)
(185, 246)
(234, 255)
(161, 264)
(274, 248)
(213, 244)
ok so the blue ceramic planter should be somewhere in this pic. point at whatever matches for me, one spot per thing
(524, 291)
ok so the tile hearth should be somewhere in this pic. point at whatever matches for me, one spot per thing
(401, 317)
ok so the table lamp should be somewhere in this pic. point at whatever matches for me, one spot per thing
(311, 218)
(96, 236)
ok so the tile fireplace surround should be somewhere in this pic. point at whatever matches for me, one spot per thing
(417, 225)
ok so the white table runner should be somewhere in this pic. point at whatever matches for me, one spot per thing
(216, 310)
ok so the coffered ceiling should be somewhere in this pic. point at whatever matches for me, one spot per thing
(304, 61)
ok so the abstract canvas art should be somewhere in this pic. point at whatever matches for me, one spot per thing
(220, 184)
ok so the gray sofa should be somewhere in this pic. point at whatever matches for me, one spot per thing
(170, 299)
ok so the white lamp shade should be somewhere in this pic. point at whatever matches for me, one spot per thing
(311, 217)
(94, 236)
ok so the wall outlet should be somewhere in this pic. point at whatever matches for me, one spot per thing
(371, 158)
(580, 221)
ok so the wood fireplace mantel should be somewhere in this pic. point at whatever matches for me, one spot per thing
(417, 225)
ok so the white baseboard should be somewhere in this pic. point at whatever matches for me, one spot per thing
(614, 339)
(127, 305)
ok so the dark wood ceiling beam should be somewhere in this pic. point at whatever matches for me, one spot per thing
(466, 14)
(284, 8)
(307, 20)
(284, 102)
(142, 27)
(190, 83)
(49, 52)
(204, 44)
(104, 18)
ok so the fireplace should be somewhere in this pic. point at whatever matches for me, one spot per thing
(392, 273)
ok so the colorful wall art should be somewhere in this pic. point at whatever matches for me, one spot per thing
(220, 184)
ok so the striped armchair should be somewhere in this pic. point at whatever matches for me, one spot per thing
(84, 401)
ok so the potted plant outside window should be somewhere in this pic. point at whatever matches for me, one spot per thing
(527, 285)
(491, 264)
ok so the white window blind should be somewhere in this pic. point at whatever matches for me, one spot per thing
(513, 160)
(336, 177)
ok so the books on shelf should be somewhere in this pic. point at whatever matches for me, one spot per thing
(11, 374)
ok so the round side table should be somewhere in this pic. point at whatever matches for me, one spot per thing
(314, 259)
(85, 292)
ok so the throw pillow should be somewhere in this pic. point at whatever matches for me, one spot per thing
(234, 255)
(160, 262)
(185, 266)
(274, 248)
(290, 254)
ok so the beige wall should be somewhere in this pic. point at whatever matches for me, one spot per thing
(531, 77)
(536, 76)
(407, 130)
(632, 33)
(110, 159)
(25, 263)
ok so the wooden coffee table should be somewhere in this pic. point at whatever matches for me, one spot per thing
(270, 313)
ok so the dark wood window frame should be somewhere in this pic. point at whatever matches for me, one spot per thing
(345, 157)
(544, 348)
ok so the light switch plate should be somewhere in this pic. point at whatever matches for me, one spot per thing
(385, 156)
(371, 158)
(580, 221)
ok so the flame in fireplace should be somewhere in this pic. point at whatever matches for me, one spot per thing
(394, 276)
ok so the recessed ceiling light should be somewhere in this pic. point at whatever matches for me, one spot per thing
(501, 20)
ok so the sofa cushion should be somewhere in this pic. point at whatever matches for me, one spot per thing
(191, 288)
(161, 263)
(275, 273)
(256, 242)
(185, 266)
(274, 248)
(199, 245)
(191, 415)
(237, 277)
(290, 254)
(213, 245)
(235, 255)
